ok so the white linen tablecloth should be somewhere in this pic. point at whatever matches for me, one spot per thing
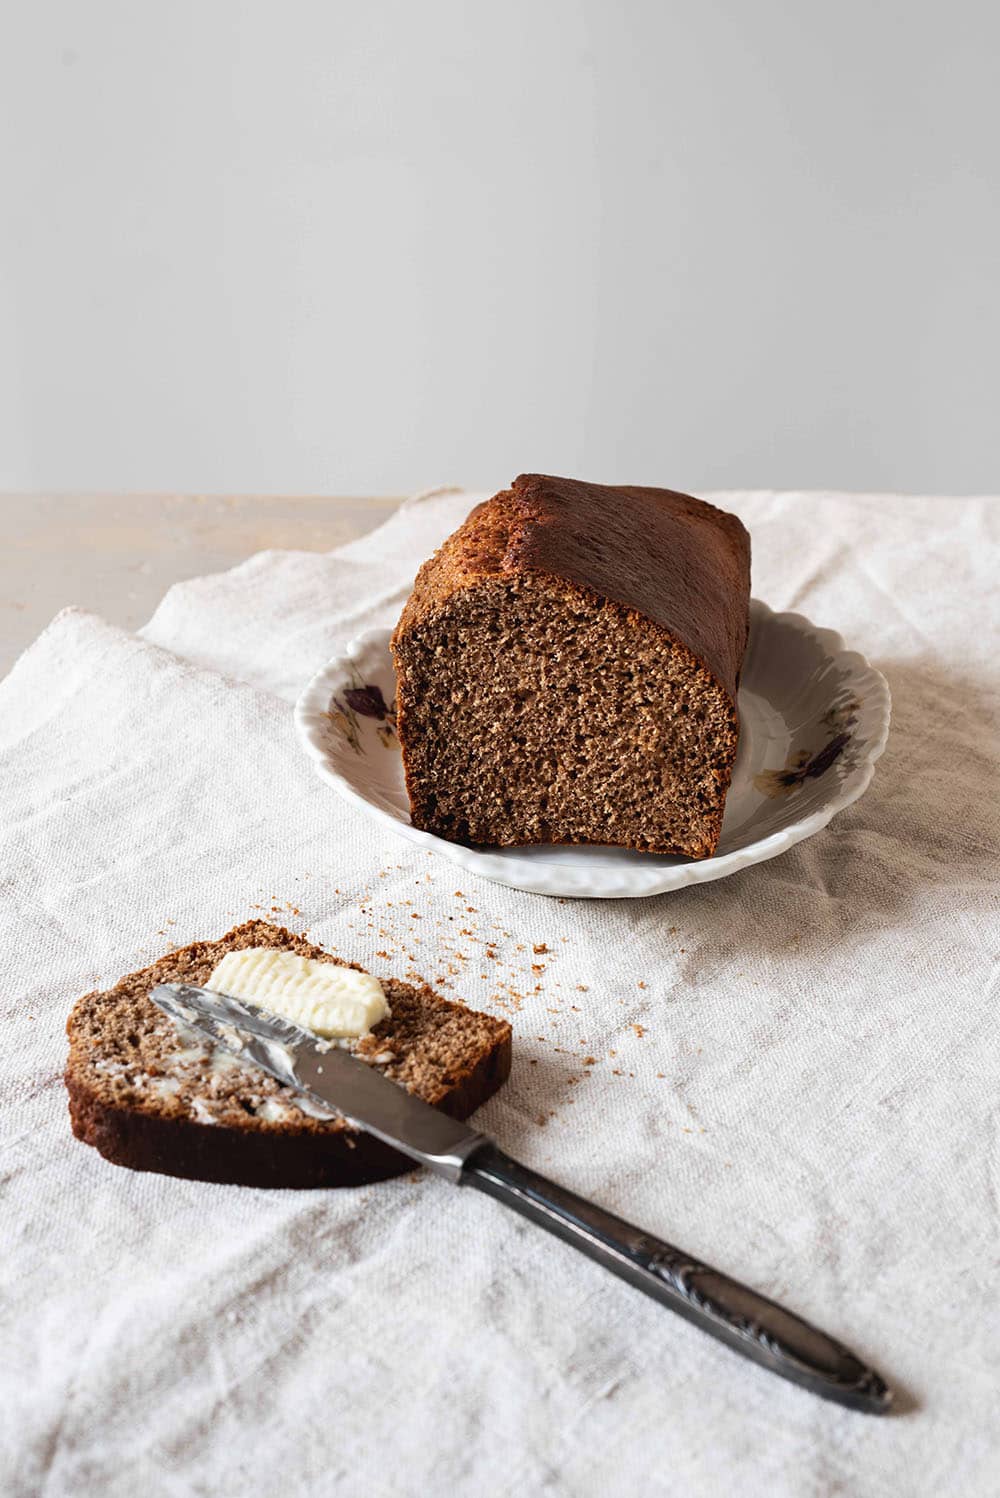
(797, 1075)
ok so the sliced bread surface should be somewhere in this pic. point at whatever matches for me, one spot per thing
(151, 1095)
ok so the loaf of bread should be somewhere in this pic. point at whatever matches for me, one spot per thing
(152, 1096)
(567, 668)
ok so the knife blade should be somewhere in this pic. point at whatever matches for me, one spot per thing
(327, 1073)
(335, 1079)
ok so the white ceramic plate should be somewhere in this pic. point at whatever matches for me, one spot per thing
(814, 719)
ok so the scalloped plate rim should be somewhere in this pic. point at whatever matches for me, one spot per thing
(562, 880)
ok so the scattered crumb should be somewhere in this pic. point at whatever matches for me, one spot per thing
(640, 1030)
(539, 947)
(590, 1060)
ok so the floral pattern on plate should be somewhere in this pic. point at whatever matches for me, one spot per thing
(363, 700)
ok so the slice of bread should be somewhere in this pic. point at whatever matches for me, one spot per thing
(152, 1096)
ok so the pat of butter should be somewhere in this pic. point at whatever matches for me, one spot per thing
(335, 1002)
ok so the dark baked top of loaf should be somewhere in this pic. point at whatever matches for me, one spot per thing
(677, 560)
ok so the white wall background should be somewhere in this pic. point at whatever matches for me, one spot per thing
(316, 246)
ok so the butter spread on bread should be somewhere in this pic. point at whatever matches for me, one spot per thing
(338, 1003)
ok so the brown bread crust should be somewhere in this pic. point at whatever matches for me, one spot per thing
(677, 560)
(452, 1057)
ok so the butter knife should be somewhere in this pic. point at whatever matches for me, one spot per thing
(335, 1079)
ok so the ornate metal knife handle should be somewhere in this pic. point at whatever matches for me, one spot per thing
(737, 1315)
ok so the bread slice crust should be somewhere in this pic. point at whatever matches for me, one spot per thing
(142, 1095)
